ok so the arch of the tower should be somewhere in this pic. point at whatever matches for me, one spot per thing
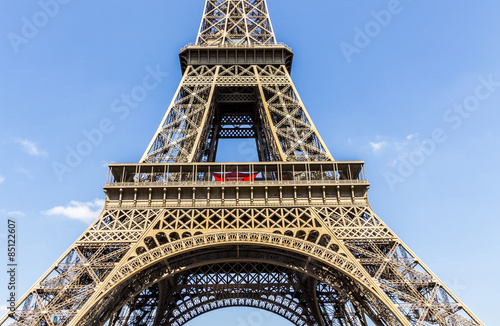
(202, 289)
(308, 285)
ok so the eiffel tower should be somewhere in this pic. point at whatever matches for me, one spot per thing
(181, 235)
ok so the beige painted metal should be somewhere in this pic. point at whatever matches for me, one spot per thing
(381, 294)
(307, 114)
(334, 232)
(162, 123)
(302, 225)
(268, 116)
(201, 130)
(222, 21)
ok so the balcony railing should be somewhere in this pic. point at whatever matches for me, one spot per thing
(236, 173)
(237, 45)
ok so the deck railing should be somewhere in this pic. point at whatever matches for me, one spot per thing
(237, 45)
(239, 173)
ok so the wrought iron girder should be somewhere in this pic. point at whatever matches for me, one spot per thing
(297, 222)
(313, 259)
(236, 133)
(402, 299)
(238, 284)
(288, 130)
(235, 22)
(408, 283)
(56, 298)
(231, 259)
(172, 267)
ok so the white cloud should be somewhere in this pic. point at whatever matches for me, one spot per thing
(86, 212)
(2, 179)
(400, 145)
(105, 164)
(412, 136)
(16, 213)
(377, 147)
(3, 309)
(30, 147)
(26, 172)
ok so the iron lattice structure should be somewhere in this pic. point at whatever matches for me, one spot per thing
(293, 234)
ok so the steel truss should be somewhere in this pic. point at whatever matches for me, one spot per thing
(293, 234)
(288, 133)
(353, 267)
(235, 23)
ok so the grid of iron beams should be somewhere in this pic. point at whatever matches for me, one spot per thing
(296, 236)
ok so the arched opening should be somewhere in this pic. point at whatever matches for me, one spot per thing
(209, 290)
(177, 289)
(243, 316)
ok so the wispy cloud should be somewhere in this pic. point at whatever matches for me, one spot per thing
(412, 136)
(26, 172)
(2, 179)
(31, 147)
(85, 212)
(105, 164)
(399, 146)
(377, 147)
(16, 213)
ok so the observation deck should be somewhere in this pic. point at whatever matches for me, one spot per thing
(236, 54)
(236, 184)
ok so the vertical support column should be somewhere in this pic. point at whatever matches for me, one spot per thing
(328, 154)
(268, 116)
(375, 287)
(162, 123)
(201, 129)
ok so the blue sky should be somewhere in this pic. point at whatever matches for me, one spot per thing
(417, 98)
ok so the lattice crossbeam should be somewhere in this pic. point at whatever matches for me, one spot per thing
(288, 130)
(236, 23)
(303, 244)
(74, 280)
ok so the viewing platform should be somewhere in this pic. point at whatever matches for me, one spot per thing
(261, 183)
(240, 54)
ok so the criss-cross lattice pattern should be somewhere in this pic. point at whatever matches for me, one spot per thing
(177, 135)
(351, 239)
(175, 241)
(236, 23)
(234, 284)
(55, 300)
(288, 131)
(418, 293)
(275, 288)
